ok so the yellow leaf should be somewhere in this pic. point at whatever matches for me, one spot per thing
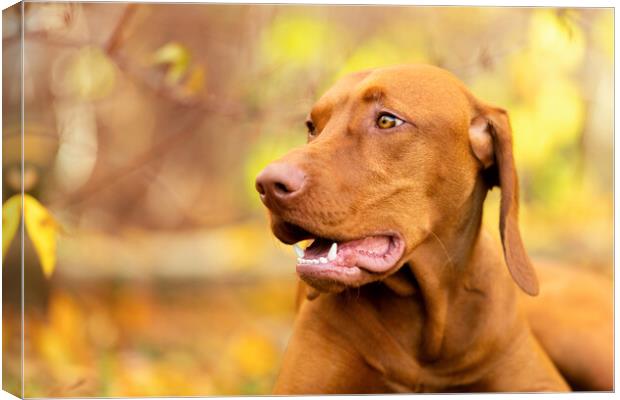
(42, 230)
(195, 82)
(177, 57)
(11, 212)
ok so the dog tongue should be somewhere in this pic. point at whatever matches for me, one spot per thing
(372, 253)
(373, 245)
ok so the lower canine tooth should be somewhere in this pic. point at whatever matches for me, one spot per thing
(323, 260)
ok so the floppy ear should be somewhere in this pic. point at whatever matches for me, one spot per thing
(491, 141)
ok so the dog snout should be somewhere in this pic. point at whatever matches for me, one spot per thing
(279, 183)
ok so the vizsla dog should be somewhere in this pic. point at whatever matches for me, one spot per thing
(406, 292)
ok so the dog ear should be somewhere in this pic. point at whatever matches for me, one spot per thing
(491, 141)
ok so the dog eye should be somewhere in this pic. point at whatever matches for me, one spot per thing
(311, 128)
(387, 121)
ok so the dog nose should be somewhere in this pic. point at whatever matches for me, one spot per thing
(279, 182)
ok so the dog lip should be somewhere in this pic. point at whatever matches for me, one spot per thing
(288, 232)
(353, 267)
(353, 262)
(394, 252)
(326, 275)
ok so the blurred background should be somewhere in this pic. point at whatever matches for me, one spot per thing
(149, 265)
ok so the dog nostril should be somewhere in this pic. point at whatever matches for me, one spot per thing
(260, 188)
(281, 188)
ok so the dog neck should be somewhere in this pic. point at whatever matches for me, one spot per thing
(458, 269)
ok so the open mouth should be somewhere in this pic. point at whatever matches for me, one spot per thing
(347, 260)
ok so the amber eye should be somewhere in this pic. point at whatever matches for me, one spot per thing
(387, 121)
(311, 128)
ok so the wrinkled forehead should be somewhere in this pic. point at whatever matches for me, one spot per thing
(422, 87)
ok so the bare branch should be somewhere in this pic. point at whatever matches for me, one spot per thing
(118, 35)
(154, 152)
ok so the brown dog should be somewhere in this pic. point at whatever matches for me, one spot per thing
(415, 295)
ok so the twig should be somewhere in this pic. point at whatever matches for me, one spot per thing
(116, 38)
(151, 154)
(42, 36)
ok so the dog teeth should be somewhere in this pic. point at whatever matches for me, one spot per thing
(331, 255)
(333, 252)
(298, 251)
(315, 261)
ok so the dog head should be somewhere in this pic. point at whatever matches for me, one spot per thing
(393, 156)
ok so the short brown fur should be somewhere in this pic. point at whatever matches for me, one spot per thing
(449, 316)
